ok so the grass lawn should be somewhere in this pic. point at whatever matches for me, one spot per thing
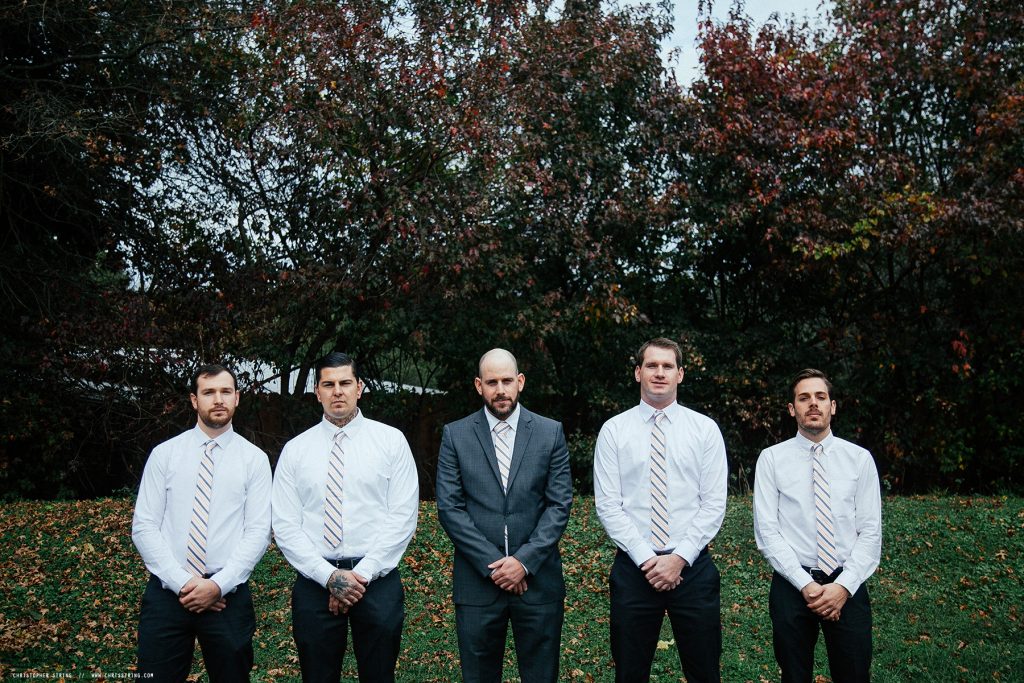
(947, 599)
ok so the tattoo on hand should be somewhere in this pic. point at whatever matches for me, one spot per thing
(339, 585)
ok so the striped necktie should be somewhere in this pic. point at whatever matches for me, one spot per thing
(332, 499)
(659, 485)
(195, 555)
(824, 528)
(501, 450)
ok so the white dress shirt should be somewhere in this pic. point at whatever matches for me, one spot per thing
(784, 525)
(239, 522)
(512, 421)
(697, 480)
(510, 439)
(379, 501)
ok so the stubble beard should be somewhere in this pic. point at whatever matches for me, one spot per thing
(814, 429)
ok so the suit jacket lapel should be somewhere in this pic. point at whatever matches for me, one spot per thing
(523, 434)
(483, 433)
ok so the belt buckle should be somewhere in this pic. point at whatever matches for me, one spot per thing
(346, 562)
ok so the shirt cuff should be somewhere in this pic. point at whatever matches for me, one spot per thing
(322, 573)
(850, 581)
(367, 568)
(687, 553)
(177, 582)
(225, 582)
(640, 553)
(800, 579)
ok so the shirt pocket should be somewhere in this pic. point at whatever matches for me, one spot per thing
(843, 496)
(635, 466)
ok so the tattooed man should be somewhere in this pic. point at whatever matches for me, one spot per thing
(345, 502)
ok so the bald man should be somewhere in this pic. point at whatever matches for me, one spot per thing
(503, 496)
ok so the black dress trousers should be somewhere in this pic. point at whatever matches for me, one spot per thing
(795, 633)
(322, 638)
(168, 632)
(693, 608)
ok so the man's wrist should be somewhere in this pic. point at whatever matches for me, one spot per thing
(523, 565)
(839, 582)
(327, 583)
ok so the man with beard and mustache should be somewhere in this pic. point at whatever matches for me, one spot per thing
(202, 522)
(503, 496)
(818, 522)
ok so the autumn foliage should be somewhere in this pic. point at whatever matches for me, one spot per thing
(417, 182)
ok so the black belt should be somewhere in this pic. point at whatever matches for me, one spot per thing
(346, 562)
(703, 551)
(661, 553)
(821, 577)
(204, 576)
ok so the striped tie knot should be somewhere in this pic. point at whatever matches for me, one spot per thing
(195, 550)
(333, 491)
(659, 485)
(824, 525)
(502, 451)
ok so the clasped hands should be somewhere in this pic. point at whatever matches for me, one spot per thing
(826, 601)
(664, 572)
(509, 574)
(199, 595)
(345, 588)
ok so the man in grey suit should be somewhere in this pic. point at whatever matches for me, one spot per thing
(503, 496)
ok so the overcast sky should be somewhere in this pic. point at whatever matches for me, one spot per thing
(684, 37)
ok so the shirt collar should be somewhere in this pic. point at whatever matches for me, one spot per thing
(671, 411)
(224, 440)
(330, 430)
(806, 444)
(512, 420)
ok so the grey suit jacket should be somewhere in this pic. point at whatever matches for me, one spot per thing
(474, 510)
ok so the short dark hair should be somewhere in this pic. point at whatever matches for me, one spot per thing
(336, 359)
(209, 370)
(661, 343)
(809, 373)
